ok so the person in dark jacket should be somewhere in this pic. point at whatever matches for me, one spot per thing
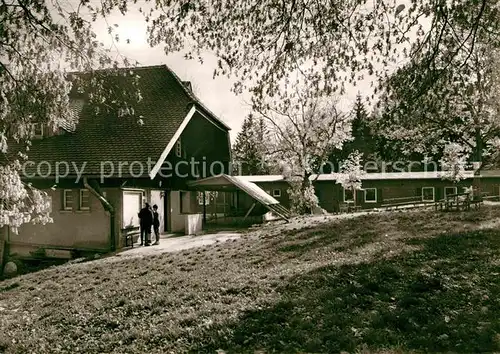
(156, 224)
(146, 221)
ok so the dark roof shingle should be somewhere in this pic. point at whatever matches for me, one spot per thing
(105, 140)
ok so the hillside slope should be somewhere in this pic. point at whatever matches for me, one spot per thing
(389, 282)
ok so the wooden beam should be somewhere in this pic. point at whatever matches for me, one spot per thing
(204, 210)
(249, 211)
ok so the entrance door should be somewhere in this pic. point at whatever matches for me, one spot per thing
(132, 204)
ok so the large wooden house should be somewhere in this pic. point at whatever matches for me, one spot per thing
(114, 165)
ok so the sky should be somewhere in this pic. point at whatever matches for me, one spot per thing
(215, 93)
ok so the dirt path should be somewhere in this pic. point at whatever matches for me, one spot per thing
(179, 243)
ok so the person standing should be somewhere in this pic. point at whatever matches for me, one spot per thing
(146, 221)
(156, 224)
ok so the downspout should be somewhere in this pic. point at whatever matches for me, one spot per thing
(109, 208)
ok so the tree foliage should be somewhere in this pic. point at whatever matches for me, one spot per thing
(304, 199)
(265, 45)
(363, 139)
(303, 135)
(330, 43)
(460, 108)
(250, 153)
(453, 162)
(351, 173)
(41, 42)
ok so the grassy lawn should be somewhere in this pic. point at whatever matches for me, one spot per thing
(380, 283)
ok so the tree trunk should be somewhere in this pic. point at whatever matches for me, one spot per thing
(303, 190)
(478, 157)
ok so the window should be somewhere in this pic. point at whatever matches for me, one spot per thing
(428, 194)
(277, 193)
(348, 195)
(449, 190)
(185, 202)
(200, 199)
(178, 148)
(370, 195)
(84, 199)
(38, 130)
(67, 201)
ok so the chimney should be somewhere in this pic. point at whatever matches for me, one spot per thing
(188, 85)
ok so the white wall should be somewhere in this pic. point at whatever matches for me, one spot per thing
(73, 228)
(176, 218)
(194, 224)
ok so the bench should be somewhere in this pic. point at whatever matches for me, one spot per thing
(348, 207)
(402, 204)
(130, 234)
(460, 201)
(476, 203)
(395, 203)
(343, 208)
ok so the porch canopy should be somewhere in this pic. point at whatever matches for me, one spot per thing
(228, 183)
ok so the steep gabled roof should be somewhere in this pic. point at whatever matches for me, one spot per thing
(105, 140)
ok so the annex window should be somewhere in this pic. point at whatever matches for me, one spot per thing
(178, 148)
(348, 195)
(200, 198)
(277, 193)
(370, 195)
(449, 191)
(84, 199)
(38, 130)
(67, 199)
(428, 194)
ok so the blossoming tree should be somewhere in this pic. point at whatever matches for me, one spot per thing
(332, 44)
(351, 172)
(460, 108)
(304, 130)
(453, 163)
(41, 42)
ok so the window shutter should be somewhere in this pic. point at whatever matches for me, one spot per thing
(380, 198)
(418, 192)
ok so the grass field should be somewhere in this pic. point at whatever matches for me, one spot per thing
(381, 283)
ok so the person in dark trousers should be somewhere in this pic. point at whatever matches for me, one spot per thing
(156, 224)
(146, 221)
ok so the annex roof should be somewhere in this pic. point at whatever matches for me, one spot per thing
(392, 175)
(367, 176)
(230, 183)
